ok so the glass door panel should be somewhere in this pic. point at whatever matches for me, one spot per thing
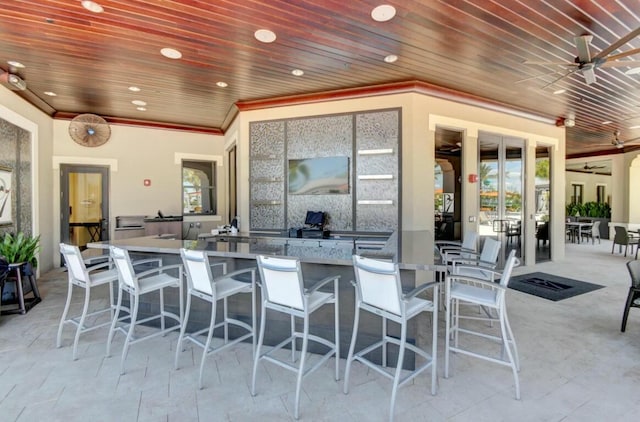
(543, 164)
(501, 192)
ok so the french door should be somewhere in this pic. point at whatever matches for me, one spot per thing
(502, 192)
(84, 204)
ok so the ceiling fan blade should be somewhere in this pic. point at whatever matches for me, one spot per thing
(622, 55)
(622, 63)
(582, 45)
(549, 63)
(589, 75)
(537, 77)
(622, 41)
(633, 141)
(561, 77)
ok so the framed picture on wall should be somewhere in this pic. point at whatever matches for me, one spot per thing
(5, 195)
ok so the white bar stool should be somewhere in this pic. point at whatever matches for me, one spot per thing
(201, 284)
(379, 291)
(86, 278)
(283, 291)
(155, 279)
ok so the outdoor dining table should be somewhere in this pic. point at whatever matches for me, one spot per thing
(576, 228)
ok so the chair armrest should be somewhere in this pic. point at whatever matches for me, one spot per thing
(449, 255)
(147, 261)
(445, 243)
(220, 264)
(321, 283)
(475, 281)
(472, 261)
(419, 289)
(242, 271)
(490, 273)
(91, 259)
(158, 270)
(99, 266)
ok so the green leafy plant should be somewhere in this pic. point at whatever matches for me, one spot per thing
(589, 209)
(20, 248)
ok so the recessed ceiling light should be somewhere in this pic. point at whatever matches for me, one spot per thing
(632, 71)
(222, 84)
(50, 20)
(297, 72)
(141, 108)
(92, 6)
(391, 58)
(607, 122)
(560, 91)
(134, 89)
(139, 103)
(50, 93)
(634, 127)
(383, 13)
(15, 64)
(265, 35)
(171, 53)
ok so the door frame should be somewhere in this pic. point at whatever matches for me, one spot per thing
(65, 170)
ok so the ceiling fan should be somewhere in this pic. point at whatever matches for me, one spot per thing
(89, 130)
(450, 148)
(619, 143)
(588, 167)
(587, 64)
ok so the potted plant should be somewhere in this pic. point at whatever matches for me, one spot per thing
(21, 248)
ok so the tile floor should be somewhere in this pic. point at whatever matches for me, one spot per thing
(576, 366)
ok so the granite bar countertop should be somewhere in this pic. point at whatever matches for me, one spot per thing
(412, 250)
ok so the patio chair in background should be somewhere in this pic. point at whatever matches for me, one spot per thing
(633, 298)
(623, 238)
(593, 233)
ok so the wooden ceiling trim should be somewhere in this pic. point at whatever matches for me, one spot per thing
(389, 89)
(145, 123)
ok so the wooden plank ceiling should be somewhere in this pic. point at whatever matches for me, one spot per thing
(476, 47)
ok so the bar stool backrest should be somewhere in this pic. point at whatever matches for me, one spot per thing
(490, 250)
(125, 269)
(282, 281)
(378, 284)
(512, 261)
(469, 240)
(199, 276)
(75, 263)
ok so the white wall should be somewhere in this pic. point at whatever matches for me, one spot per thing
(20, 113)
(589, 181)
(134, 154)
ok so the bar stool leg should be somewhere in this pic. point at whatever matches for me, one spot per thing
(64, 316)
(85, 308)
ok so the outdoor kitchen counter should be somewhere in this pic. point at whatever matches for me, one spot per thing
(412, 250)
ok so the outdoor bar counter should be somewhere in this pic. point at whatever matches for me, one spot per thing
(412, 250)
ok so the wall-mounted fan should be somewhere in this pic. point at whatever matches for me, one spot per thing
(89, 130)
(586, 64)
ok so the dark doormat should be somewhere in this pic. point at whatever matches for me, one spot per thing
(551, 287)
